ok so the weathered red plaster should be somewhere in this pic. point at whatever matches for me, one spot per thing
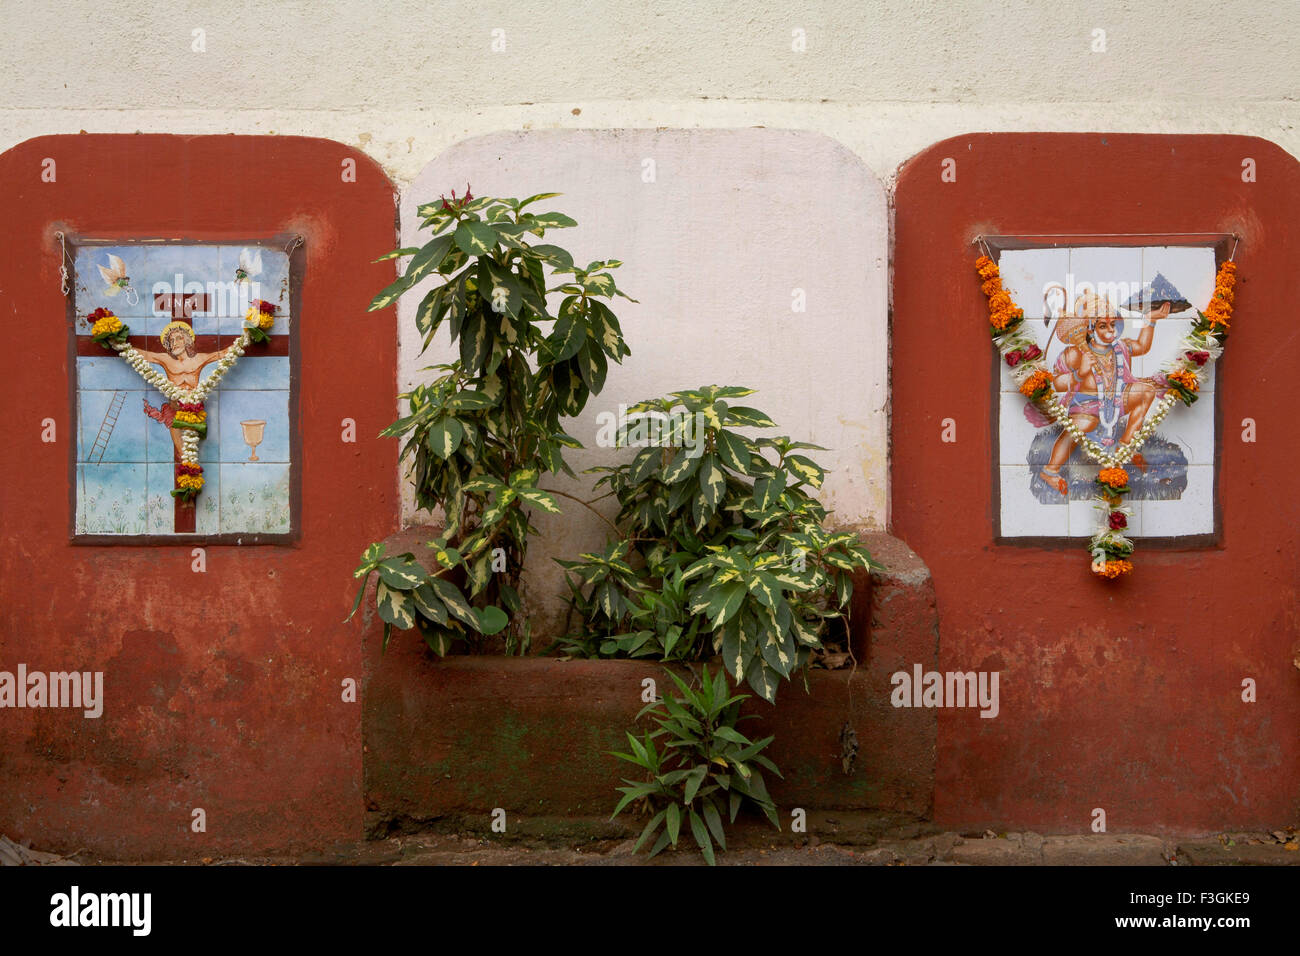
(223, 689)
(1124, 696)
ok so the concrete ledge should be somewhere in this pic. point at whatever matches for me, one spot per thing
(464, 735)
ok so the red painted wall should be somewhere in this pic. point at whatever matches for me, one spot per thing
(1124, 696)
(223, 689)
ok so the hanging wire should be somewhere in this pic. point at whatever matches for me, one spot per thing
(1235, 240)
(294, 243)
(63, 263)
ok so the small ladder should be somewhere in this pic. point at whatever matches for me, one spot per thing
(106, 428)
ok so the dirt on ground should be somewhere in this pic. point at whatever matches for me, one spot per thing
(830, 841)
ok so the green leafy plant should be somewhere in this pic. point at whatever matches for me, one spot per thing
(481, 435)
(698, 766)
(722, 548)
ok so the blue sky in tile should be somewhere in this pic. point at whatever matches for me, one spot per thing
(125, 439)
(254, 372)
(270, 407)
(187, 268)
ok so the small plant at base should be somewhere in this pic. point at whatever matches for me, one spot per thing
(701, 760)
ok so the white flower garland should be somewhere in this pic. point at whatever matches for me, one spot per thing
(175, 393)
(1192, 342)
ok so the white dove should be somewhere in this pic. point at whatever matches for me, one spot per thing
(250, 264)
(115, 275)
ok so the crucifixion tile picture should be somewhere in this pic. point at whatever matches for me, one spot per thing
(184, 308)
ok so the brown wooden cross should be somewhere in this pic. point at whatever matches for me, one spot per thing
(182, 307)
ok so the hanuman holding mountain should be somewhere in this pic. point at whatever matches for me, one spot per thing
(1095, 375)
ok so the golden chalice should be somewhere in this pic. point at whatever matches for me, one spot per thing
(253, 432)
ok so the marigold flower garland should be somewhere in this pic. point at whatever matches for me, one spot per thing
(1110, 548)
(189, 415)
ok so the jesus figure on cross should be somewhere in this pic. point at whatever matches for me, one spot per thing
(182, 365)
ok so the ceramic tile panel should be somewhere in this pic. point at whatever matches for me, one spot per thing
(1191, 513)
(112, 498)
(106, 372)
(250, 273)
(255, 373)
(1046, 482)
(162, 441)
(1192, 430)
(1111, 273)
(255, 426)
(153, 326)
(1035, 280)
(1024, 515)
(254, 497)
(1188, 270)
(1015, 431)
(233, 325)
(107, 429)
(126, 448)
(1085, 516)
(1033, 276)
(189, 270)
(160, 507)
(113, 277)
(1165, 336)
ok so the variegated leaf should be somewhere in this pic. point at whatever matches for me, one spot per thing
(767, 491)
(444, 437)
(428, 258)
(681, 467)
(560, 258)
(593, 365)
(431, 309)
(551, 220)
(568, 335)
(762, 586)
(741, 415)
(762, 679)
(454, 601)
(476, 239)
(807, 469)
(542, 500)
(732, 451)
(395, 607)
(535, 198)
(397, 253)
(389, 295)
(426, 601)
(474, 344)
(713, 483)
(401, 575)
(726, 603)
(602, 283)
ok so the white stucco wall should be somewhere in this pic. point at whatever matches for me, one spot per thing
(404, 79)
